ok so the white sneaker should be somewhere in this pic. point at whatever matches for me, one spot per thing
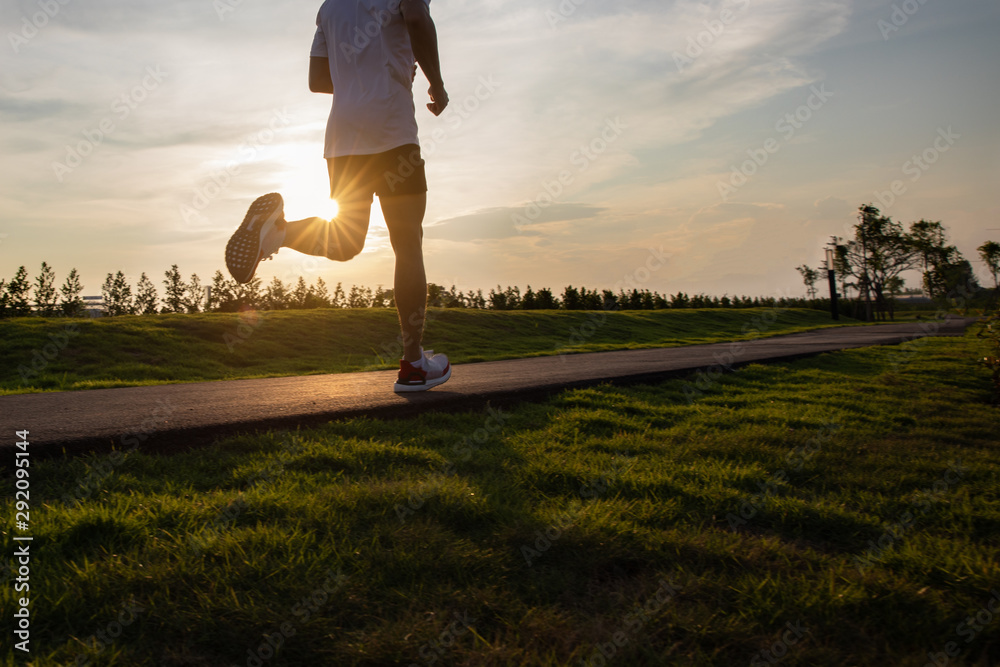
(259, 237)
(436, 370)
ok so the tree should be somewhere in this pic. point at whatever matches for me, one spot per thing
(45, 292)
(223, 296)
(339, 299)
(809, 277)
(276, 295)
(359, 297)
(117, 296)
(146, 299)
(299, 298)
(571, 298)
(950, 274)
(319, 296)
(71, 303)
(879, 252)
(248, 296)
(529, 302)
(544, 299)
(194, 294)
(175, 291)
(990, 252)
(928, 239)
(498, 299)
(17, 294)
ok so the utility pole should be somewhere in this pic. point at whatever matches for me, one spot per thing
(831, 276)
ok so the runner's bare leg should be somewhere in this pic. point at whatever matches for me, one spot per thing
(404, 217)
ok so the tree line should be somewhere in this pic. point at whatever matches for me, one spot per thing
(870, 264)
(22, 296)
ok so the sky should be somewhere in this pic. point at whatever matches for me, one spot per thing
(668, 144)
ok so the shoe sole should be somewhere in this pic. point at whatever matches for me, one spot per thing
(429, 384)
(245, 242)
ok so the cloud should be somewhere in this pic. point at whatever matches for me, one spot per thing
(499, 222)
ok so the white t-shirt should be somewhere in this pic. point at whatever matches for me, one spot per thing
(371, 64)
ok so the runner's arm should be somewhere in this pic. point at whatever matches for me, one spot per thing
(423, 39)
(319, 75)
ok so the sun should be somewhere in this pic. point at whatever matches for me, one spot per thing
(305, 187)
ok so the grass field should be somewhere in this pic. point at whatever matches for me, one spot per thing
(841, 510)
(39, 354)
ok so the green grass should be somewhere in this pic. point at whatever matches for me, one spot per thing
(434, 519)
(130, 351)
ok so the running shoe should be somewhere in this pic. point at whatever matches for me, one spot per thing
(259, 237)
(436, 370)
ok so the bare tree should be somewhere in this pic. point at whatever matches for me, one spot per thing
(809, 277)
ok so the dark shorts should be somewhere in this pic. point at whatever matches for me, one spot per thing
(396, 172)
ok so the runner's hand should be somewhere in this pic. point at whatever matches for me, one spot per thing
(439, 100)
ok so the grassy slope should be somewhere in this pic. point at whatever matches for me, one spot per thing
(633, 487)
(129, 351)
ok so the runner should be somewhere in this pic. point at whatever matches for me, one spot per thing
(365, 54)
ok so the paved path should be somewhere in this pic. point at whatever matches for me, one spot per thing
(171, 417)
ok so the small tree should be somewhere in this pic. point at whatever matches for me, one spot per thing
(571, 298)
(276, 295)
(17, 294)
(339, 299)
(319, 295)
(359, 297)
(45, 291)
(990, 252)
(146, 299)
(299, 297)
(529, 301)
(194, 295)
(117, 296)
(223, 296)
(248, 296)
(70, 302)
(809, 277)
(175, 291)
